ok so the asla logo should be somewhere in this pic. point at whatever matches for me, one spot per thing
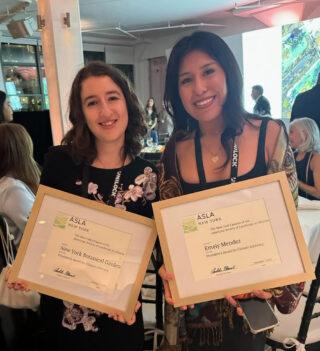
(205, 215)
(77, 220)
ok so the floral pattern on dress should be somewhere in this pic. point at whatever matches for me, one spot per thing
(145, 189)
(75, 314)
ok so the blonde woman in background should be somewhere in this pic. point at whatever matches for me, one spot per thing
(304, 137)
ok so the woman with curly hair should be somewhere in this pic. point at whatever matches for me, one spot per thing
(98, 160)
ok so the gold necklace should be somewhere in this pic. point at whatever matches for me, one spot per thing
(214, 157)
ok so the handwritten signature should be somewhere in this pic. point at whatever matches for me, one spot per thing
(61, 271)
(222, 269)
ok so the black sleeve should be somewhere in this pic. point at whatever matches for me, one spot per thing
(59, 171)
(48, 172)
(265, 107)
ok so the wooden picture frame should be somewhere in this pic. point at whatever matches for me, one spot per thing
(84, 252)
(232, 239)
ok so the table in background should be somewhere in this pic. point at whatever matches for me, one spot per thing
(152, 153)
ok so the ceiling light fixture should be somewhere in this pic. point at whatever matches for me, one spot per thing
(285, 17)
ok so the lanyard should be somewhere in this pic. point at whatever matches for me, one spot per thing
(234, 162)
(112, 197)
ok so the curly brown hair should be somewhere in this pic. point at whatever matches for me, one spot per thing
(79, 139)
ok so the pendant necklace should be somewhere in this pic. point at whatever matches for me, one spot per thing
(214, 157)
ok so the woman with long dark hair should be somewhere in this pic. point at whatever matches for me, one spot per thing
(216, 142)
(151, 115)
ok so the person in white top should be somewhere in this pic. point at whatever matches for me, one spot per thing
(19, 177)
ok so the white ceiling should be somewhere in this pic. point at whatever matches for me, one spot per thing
(131, 21)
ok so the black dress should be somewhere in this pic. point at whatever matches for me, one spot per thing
(305, 173)
(233, 338)
(67, 332)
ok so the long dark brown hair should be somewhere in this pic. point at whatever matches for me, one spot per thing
(16, 155)
(79, 139)
(154, 108)
(233, 111)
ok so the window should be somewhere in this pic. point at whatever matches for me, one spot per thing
(24, 75)
(127, 70)
(89, 56)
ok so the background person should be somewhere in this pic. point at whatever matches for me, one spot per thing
(262, 106)
(165, 125)
(19, 177)
(19, 180)
(204, 92)
(304, 137)
(307, 104)
(152, 120)
(102, 147)
(6, 113)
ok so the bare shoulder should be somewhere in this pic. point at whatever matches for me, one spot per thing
(273, 131)
(185, 144)
(316, 160)
(273, 127)
(252, 130)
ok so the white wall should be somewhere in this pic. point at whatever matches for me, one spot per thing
(141, 73)
(93, 47)
(262, 65)
(235, 44)
(122, 55)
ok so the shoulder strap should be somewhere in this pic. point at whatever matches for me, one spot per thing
(199, 160)
(6, 239)
(234, 162)
(85, 180)
(262, 140)
(308, 166)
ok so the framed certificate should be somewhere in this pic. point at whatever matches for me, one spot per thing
(84, 252)
(232, 239)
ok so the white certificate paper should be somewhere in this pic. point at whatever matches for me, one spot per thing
(228, 240)
(87, 253)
